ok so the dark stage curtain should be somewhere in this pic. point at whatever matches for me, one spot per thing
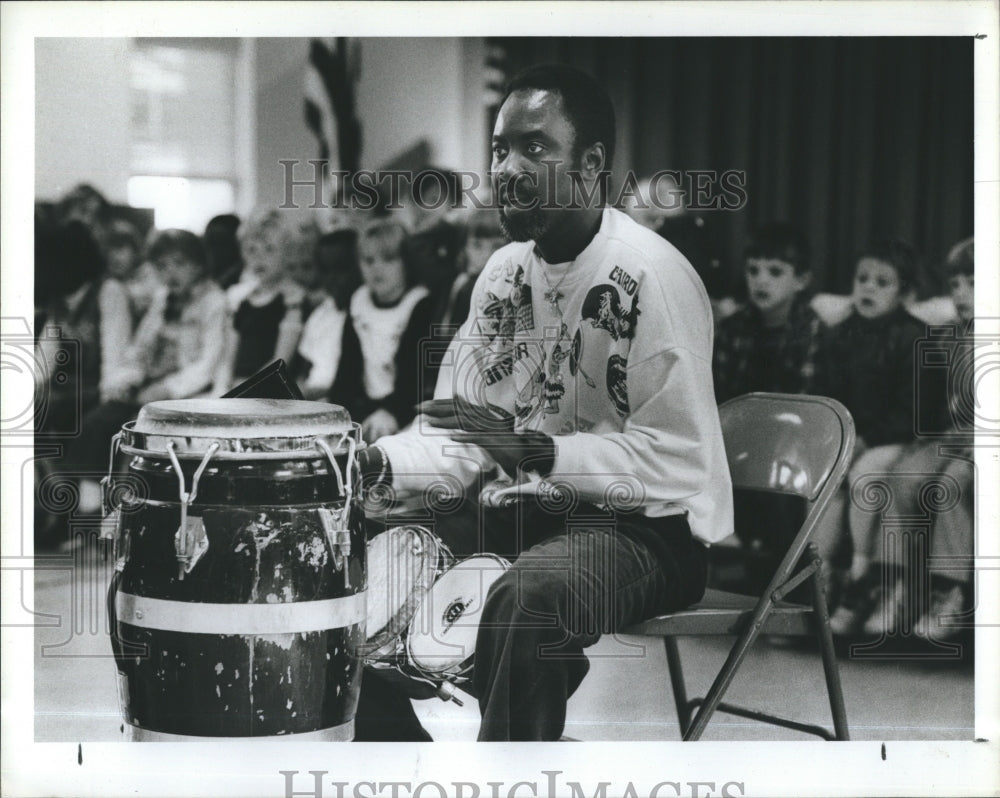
(851, 138)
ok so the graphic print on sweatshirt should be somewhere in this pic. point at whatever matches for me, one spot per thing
(590, 339)
(604, 309)
(501, 318)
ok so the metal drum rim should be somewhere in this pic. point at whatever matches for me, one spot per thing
(385, 643)
(306, 450)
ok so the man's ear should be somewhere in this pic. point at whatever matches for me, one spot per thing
(593, 159)
(804, 278)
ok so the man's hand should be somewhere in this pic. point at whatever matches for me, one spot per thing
(461, 414)
(492, 428)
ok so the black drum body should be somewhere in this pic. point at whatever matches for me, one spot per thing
(239, 594)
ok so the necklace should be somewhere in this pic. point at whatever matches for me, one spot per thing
(553, 295)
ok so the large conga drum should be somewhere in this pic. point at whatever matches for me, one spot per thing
(238, 601)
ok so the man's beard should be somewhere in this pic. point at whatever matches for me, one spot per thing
(527, 225)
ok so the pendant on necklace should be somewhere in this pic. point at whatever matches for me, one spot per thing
(552, 296)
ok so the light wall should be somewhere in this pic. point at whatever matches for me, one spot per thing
(281, 132)
(81, 116)
(409, 90)
(414, 89)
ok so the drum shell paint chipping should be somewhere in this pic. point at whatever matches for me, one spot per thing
(260, 638)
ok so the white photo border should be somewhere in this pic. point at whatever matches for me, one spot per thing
(765, 769)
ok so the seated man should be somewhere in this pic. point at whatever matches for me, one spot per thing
(576, 406)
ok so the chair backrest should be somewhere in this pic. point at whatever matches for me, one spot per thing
(789, 443)
(785, 443)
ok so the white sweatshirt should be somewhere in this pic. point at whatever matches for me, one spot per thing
(618, 369)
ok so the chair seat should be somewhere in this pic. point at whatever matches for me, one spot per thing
(723, 613)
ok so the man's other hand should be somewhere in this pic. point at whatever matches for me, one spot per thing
(492, 429)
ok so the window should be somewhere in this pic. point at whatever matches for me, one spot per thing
(183, 129)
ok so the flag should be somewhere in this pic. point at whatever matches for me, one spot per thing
(329, 101)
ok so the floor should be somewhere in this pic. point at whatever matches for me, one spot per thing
(625, 697)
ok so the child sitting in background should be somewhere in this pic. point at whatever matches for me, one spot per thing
(178, 344)
(145, 283)
(318, 355)
(925, 463)
(483, 238)
(868, 364)
(265, 307)
(388, 316)
(952, 531)
(222, 246)
(301, 263)
(770, 344)
(123, 250)
(174, 354)
(120, 313)
(434, 254)
(69, 276)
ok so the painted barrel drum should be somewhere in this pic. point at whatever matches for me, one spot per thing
(238, 600)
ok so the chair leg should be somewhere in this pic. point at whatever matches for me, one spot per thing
(831, 669)
(677, 684)
(725, 677)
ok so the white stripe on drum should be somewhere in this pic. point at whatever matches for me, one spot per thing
(345, 731)
(240, 619)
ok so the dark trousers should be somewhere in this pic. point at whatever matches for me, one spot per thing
(575, 576)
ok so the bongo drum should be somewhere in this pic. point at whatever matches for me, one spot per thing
(441, 637)
(239, 594)
(403, 563)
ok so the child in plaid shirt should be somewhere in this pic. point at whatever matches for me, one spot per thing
(770, 344)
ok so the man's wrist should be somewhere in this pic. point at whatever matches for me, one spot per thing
(542, 453)
(375, 466)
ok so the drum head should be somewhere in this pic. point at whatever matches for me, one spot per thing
(402, 565)
(238, 425)
(441, 639)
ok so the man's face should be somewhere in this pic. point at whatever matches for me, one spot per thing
(533, 149)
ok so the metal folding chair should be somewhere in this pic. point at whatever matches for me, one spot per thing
(779, 443)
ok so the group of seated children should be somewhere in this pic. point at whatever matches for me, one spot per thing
(776, 342)
(347, 310)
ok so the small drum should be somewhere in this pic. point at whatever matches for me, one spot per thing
(441, 638)
(423, 610)
(239, 596)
